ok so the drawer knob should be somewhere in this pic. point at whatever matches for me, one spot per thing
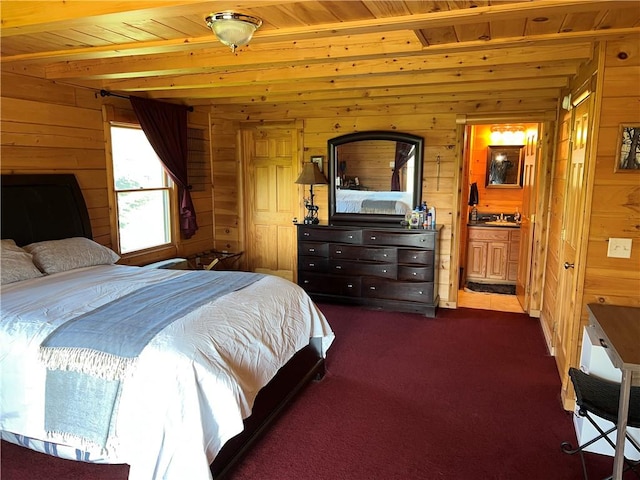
(312, 249)
(372, 288)
(384, 255)
(306, 234)
(306, 282)
(312, 264)
(420, 292)
(338, 267)
(349, 285)
(384, 270)
(350, 236)
(373, 237)
(415, 257)
(338, 251)
(422, 240)
(414, 274)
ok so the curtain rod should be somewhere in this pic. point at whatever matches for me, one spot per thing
(106, 93)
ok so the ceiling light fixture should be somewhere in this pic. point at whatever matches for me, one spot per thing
(233, 29)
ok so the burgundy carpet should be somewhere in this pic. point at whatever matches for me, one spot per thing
(468, 395)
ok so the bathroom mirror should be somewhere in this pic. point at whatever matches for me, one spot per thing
(504, 166)
(375, 177)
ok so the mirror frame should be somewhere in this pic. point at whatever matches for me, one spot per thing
(336, 218)
(493, 150)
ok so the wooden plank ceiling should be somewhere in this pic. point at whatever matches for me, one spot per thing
(312, 50)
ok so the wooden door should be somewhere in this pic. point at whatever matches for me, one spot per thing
(271, 167)
(568, 309)
(527, 216)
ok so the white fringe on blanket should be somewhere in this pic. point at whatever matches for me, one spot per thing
(84, 444)
(88, 361)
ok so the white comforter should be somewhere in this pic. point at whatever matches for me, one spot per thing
(194, 382)
(353, 201)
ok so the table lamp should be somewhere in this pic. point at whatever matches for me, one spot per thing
(311, 175)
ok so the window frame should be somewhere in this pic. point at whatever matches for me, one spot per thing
(156, 252)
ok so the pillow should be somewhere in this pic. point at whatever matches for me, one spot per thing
(15, 263)
(53, 256)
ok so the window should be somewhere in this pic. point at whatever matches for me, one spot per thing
(142, 189)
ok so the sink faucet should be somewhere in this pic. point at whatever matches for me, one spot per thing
(502, 217)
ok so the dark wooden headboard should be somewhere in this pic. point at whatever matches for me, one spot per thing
(37, 207)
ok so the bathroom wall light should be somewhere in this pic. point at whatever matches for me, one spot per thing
(233, 29)
(507, 135)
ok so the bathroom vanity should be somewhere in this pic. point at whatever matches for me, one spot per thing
(492, 252)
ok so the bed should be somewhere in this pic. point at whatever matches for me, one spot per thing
(376, 202)
(193, 397)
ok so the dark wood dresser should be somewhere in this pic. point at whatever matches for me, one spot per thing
(385, 268)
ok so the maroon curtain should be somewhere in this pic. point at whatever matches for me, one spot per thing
(403, 154)
(165, 125)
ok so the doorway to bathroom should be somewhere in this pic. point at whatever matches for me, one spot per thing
(503, 186)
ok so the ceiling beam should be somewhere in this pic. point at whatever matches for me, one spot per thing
(498, 90)
(366, 58)
(490, 60)
(335, 83)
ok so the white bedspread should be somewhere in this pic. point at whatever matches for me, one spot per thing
(194, 382)
(355, 201)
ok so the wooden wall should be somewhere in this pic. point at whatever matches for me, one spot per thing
(227, 195)
(612, 206)
(52, 128)
(615, 202)
(323, 120)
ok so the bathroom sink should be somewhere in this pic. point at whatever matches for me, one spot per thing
(501, 223)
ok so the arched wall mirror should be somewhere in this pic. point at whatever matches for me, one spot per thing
(375, 177)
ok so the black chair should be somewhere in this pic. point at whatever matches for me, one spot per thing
(600, 397)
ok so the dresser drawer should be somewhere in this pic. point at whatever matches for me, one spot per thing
(351, 267)
(414, 273)
(411, 291)
(320, 234)
(313, 264)
(417, 257)
(403, 238)
(356, 252)
(330, 284)
(315, 249)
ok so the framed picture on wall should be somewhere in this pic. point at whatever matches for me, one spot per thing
(317, 159)
(628, 149)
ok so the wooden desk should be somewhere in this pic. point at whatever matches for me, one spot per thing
(618, 328)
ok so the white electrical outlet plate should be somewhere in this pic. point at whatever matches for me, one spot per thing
(619, 248)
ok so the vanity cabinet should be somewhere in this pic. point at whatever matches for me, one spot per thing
(492, 254)
(385, 268)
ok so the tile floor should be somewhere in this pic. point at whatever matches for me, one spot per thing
(489, 301)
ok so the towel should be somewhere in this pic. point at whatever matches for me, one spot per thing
(473, 194)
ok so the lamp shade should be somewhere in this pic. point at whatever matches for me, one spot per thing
(311, 175)
(233, 29)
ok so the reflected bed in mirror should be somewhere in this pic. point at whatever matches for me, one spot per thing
(504, 166)
(375, 177)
